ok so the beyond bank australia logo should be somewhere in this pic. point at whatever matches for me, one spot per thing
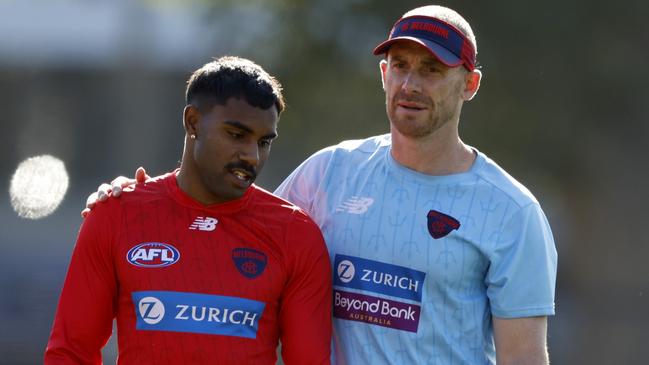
(403, 284)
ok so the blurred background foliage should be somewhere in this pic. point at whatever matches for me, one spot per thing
(562, 107)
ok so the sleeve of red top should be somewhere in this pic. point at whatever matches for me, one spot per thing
(86, 308)
(305, 313)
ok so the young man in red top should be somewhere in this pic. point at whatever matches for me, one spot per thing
(200, 265)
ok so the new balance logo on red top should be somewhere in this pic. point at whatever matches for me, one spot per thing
(204, 224)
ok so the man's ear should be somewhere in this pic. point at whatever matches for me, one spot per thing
(383, 66)
(472, 84)
(191, 117)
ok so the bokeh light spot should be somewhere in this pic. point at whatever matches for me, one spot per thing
(38, 186)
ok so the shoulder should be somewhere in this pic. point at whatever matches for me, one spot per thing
(495, 176)
(278, 209)
(273, 205)
(152, 188)
(348, 152)
(358, 146)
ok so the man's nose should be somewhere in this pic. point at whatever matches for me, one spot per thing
(250, 154)
(412, 82)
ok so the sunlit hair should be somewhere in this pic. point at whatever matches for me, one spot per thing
(448, 15)
(230, 76)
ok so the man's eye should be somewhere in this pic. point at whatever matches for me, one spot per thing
(264, 143)
(235, 135)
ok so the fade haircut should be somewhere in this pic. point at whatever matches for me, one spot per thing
(233, 77)
(447, 15)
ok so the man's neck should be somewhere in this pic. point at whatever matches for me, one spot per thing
(440, 153)
(189, 181)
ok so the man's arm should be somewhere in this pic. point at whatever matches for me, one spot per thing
(521, 341)
(305, 308)
(86, 308)
(520, 286)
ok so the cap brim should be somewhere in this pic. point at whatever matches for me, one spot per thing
(444, 55)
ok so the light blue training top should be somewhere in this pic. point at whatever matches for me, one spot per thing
(421, 263)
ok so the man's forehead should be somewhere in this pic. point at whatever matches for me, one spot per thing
(407, 48)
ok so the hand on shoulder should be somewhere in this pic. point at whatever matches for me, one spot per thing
(114, 189)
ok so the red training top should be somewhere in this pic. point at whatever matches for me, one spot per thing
(195, 284)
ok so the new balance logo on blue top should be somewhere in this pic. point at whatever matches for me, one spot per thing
(378, 277)
(355, 205)
(197, 313)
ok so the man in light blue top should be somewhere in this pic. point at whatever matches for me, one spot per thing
(439, 256)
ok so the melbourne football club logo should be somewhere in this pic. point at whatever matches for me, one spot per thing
(250, 263)
(153, 254)
(440, 224)
(346, 271)
(151, 309)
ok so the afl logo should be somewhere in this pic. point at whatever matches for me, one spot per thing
(346, 271)
(153, 254)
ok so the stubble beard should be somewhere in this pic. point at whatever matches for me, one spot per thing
(440, 113)
(438, 116)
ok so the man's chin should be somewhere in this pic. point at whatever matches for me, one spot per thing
(229, 194)
(228, 191)
(411, 128)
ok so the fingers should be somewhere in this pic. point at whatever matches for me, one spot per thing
(140, 175)
(103, 192)
(85, 212)
(114, 189)
(90, 203)
(119, 183)
(92, 200)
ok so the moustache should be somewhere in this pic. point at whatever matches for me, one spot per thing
(242, 165)
(411, 98)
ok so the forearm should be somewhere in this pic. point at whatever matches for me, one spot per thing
(534, 357)
(521, 341)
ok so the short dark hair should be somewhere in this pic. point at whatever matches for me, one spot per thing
(237, 77)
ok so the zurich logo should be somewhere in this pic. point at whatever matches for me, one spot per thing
(153, 254)
(346, 271)
(151, 310)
